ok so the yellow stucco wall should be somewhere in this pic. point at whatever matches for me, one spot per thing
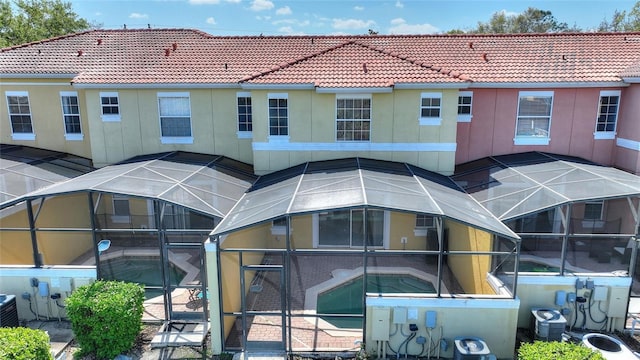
(394, 119)
(213, 124)
(470, 270)
(56, 247)
(46, 115)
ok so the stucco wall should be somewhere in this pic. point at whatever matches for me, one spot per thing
(394, 120)
(627, 151)
(213, 124)
(470, 270)
(454, 317)
(46, 115)
(492, 129)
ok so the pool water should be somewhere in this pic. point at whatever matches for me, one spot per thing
(532, 266)
(348, 297)
(142, 270)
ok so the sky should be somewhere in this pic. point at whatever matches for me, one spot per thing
(329, 17)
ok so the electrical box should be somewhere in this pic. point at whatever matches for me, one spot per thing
(561, 297)
(399, 315)
(412, 314)
(617, 302)
(589, 284)
(571, 297)
(43, 289)
(380, 323)
(600, 293)
(579, 284)
(431, 320)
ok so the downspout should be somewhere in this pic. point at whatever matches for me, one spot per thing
(515, 276)
(37, 260)
(94, 235)
(565, 239)
(287, 262)
(439, 230)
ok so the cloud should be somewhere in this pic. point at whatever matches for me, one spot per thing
(358, 8)
(399, 4)
(260, 5)
(204, 2)
(400, 26)
(211, 20)
(352, 24)
(98, 13)
(265, 18)
(292, 22)
(508, 13)
(138, 16)
(284, 11)
(289, 31)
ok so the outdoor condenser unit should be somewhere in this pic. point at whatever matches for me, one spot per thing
(547, 324)
(8, 311)
(471, 348)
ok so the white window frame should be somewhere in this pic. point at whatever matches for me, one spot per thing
(595, 202)
(278, 229)
(353, 97)
(71, 136)
(465, 117)
(20, 135)
(430, 120)
(315, 229)
(607, 135)
(120, 218)
(278, 138)
(421, 230)
(109, 117)
(533, 139)
(175, 139)
(244, 134)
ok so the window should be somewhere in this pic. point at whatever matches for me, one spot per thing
(279, 226)
(175, 118)
(121, 213)
(71, 115)
(353, 118)
(346, 228)
(423, 223)
(534, 118)
(430, 108)
(607, 115)
(593, 210)
(464, 106)
(110, 106)
(20, 115)
(245, 124)
(278, 115)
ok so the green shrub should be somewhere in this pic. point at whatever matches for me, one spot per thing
(106, 317)
(556, 350)
(24, 344)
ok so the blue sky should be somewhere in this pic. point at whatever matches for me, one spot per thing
(324, 17)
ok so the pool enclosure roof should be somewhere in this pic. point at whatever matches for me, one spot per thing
(208, 184)
(512, 186)
(24, 169)
(352, 183)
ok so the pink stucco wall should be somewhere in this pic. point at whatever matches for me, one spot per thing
(629, 128)
(492, 128)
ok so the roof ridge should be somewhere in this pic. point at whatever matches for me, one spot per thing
(296, 61)
(47, 40)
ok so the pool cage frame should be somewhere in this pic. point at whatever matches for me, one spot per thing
(366, 251)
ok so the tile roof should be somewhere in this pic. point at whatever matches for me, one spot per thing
(181, 56)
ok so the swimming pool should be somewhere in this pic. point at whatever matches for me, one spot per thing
(145, 270)
(347, 298)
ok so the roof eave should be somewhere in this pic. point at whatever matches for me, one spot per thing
(353, 90)
(303, 86)
(434, 85)
(81, 85)
(546, 85)
(631, 79)
(37, 76)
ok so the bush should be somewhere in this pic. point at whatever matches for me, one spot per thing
(556, 350)
(106, 317)
(24, 344)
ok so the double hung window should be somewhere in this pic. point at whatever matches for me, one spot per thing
(71, 115)
(175, 118)
(20, 115)
(533, 124)
(353, 118)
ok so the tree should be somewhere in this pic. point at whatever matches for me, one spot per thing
(531, 20)
(622, 20)
(31, 20)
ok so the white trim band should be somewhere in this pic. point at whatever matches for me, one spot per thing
(353, 146)
(628, 144)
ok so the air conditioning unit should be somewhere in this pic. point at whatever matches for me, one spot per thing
(8, 311)
(547, 324)
(471, 348)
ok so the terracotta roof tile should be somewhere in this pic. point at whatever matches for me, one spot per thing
(148, 57)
